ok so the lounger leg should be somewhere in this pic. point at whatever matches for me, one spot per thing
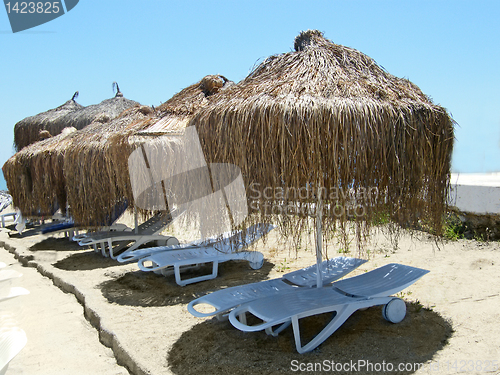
(223, 317)
(103, 246)
(103, 249)
(278, 330)
(342, 314)
(138, 242)
(213, 275)
(111, 254)
(121, 245)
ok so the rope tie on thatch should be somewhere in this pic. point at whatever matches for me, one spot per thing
(212, 84)
(117, 88)
(306, 39)
(44, 134)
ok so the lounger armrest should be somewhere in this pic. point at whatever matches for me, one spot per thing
(86, 241)
(142, 267)
(198, 314)
(243, 309)
(79, 237)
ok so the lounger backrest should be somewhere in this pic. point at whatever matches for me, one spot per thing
(236, 241)
(381, 282)
(118, 211)
(5, 200)
(332, 269)
(155, 223)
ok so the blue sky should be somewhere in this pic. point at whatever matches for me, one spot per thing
(155, 48)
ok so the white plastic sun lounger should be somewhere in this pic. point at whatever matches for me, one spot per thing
(342, 299)
(146, 232)
(224, 300)
(6, 275)
(12, 216)
(15, 291)
(6, 290)
(12, 341)
(136, 254)
(168, 261)
(71, 229)
(5, 201)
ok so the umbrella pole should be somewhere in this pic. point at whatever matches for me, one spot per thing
(319, 241)
(136, 227)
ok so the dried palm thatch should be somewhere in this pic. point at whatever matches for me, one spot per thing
(31, 178)
(95, 166)
(326, 122)
(35, 175)
(103, 112)
(27, 131)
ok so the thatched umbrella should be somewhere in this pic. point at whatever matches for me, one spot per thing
(326, 128)
(95, 166)
(27, 131)
(35, 176)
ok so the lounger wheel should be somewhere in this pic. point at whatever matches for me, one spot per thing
(256, 265)
(394, 311)
(170, 241)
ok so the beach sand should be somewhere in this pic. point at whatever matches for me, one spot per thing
(451, 324)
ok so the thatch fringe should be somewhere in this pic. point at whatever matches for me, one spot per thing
(328, 117)
(32, 179)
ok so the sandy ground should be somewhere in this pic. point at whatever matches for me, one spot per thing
(451, 324)
(48, 313)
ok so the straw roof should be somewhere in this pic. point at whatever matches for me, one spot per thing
(95, 166)
(327, 116)
(27, 131)
(32, 129)
(103, 112)
(34, 175)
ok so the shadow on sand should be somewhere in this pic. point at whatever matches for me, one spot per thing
(214, 347)
(85, 261)
(57, 244)
(148, 289)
